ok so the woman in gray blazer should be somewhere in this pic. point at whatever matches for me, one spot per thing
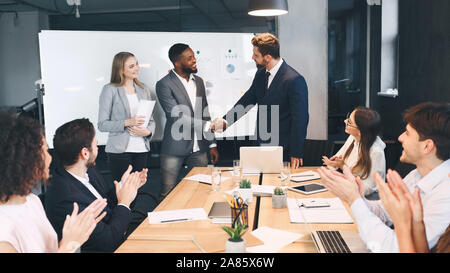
(128, 141)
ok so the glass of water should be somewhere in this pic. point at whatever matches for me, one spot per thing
(237, 172)
(285, 175)
(215, 179)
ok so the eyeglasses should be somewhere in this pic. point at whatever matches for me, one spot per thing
(347, 122)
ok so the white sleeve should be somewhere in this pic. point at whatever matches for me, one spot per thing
(377, 236)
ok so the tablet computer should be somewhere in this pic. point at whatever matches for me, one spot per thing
(310, 188)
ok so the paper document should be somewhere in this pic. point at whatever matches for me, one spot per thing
(204, 178)
(334, 213)
(145, 108)
(257, 190)
(274, 239)
(305, 176)
(172, 216)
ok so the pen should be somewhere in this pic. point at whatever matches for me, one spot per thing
(175, 220)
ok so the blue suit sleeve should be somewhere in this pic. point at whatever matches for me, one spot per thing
(298, 103)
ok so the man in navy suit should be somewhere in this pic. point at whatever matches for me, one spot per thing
(76, 180)
(277, 89)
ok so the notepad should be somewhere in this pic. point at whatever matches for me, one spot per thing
(173, 216)
(305, 176)
(204, 178)
(335, 213)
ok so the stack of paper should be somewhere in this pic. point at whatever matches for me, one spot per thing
(335, 213)
(171, 216)
(274, 240)
(204, 178)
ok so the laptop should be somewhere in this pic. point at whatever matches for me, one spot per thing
(261, 159)
(344, 241)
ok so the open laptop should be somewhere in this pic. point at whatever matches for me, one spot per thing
(261, 159)
(344, 241)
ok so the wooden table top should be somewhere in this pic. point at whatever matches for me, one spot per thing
(177, 237)
(187, 237)
(279, 218)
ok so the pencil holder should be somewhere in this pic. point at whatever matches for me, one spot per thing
(239, 215)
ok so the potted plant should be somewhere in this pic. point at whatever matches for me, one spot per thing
(279, 198)
(245, 189)
(235, 244)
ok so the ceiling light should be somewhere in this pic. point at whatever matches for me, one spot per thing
(267, 7)
(77, 4)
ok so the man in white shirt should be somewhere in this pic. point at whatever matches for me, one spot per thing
(426, 144)
(186, 140)
(76, 180)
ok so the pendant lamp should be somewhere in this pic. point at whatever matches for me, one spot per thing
(267, 7)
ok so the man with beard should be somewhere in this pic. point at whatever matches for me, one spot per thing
(76, 180)
(276, 85)
(183, 98)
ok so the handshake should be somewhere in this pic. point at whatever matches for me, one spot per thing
(218, 125)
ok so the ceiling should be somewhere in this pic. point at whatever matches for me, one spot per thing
(172, 15)
(156, 15)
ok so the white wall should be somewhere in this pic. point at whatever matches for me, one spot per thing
(19, 56)
(389, 46)
(303, 35)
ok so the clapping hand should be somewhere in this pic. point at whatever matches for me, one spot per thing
(401, 205)
(126, 191)
(335, 161)
(344, 186)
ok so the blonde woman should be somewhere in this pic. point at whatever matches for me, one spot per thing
(128, 141)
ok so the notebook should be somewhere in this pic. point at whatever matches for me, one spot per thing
(220, 210)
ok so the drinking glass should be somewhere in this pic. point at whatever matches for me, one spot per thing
(237, 172)
(216, 179)
(285, 175)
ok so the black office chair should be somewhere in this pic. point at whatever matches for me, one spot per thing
(314, 150)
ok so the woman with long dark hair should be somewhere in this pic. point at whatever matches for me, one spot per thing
(128, 141)
(363, 152)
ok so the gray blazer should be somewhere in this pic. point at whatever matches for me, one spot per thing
(171, 94)
(114, 109)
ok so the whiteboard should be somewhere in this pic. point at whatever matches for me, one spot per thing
(75, 65)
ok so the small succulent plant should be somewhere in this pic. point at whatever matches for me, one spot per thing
(278, 191)
(235, 233)
(245, 184)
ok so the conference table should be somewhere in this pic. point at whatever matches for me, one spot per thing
(204, 236)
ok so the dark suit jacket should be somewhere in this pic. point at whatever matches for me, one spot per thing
(289, 92)
(65, 189)
(171, 94)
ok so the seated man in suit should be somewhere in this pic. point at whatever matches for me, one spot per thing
(282, 97)
(76, 180)
(183, 98)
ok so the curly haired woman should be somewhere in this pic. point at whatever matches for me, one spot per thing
(24, 160)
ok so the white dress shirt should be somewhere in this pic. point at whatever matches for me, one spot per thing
(88, 185)
(373, 220)
(191, 89)
(376, 157)
(273, 72)
(135, 144)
